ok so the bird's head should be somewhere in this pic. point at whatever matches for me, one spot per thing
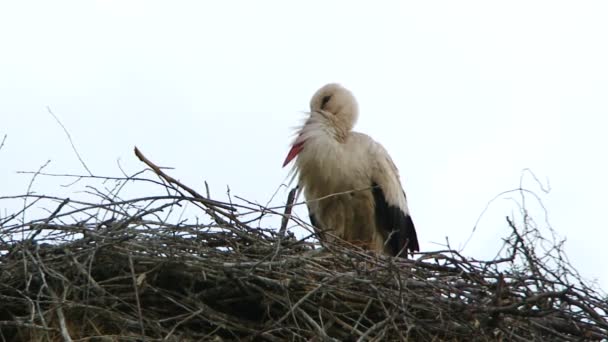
(333, 110)
(337, 106)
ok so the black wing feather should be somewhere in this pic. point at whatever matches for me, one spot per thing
(399, 226)
(313, 221)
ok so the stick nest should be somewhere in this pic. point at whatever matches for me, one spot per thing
(117, 270)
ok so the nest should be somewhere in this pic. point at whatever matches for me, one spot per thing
(118, 270)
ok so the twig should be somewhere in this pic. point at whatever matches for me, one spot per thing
(172, 180)
(3, 141)
(49, 219)
(288, 207)
(140, 315)
(70, 139)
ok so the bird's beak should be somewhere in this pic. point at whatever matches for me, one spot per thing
(295, 149)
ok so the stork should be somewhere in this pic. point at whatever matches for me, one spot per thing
(350, 182)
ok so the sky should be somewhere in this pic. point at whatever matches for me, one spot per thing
(464, 95)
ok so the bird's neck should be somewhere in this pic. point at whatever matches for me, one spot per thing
(341, 135)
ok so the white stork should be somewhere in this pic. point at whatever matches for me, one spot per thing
(351, 185)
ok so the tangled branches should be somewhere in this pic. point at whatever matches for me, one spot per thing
(121, 269)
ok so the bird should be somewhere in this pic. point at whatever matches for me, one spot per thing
(351, 185)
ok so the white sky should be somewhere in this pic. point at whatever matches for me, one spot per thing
(464, 95)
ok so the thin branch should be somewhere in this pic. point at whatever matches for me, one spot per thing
(288, 207)
(3, 141)
(70, 139)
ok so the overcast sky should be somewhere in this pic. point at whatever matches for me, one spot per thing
(464, 95)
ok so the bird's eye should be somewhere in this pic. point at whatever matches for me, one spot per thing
(325, 100)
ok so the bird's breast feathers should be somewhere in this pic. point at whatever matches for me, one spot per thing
(326, 166)
(332, 166)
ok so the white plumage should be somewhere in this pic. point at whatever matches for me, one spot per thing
(350, 183)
